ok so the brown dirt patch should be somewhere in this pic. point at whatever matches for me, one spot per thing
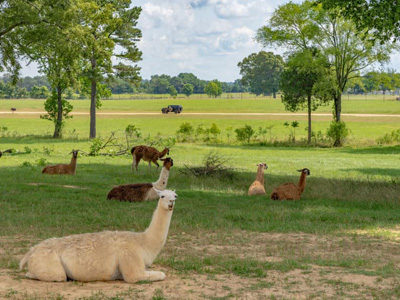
(317, 281)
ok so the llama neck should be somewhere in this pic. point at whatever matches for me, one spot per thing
(157, 232)
(302, 181)
(260, 174)
(73, 163)
(162, 153)
(162, 181)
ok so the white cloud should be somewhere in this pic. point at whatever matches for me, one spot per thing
(231, 9)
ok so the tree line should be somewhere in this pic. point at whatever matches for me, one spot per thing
(38, 87)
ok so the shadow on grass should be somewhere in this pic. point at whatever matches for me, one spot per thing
(51, 208)
(376, 171)
(373, 150)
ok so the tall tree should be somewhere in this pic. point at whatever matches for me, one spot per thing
(213, 88)
(261, 71)
(335, 37)
(380, 17)
(299, 80)
(55, 46)
(109, 25)
(15, 14)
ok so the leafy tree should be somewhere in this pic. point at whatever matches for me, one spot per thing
(159, 84)
(301, 26)
(187, 89)
(39, 92)
(198, 85)
(213, 88)
(298, 83)
(172, 91)
(382, 17)
(108, 24)
(261, 71)
(14, 15)
(52, 107)
(56, 48)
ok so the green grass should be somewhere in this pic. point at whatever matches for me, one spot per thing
(347, 220)
(353, 104)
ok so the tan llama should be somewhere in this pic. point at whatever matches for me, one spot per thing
(257, 187)
(138, 192)
(149, 154)
(291, 191)
(69, 169)
(103, 256)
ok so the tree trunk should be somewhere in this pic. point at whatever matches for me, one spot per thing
(309, 119)
(274, 93)
(338, 111)
(58, 125)
(93, 91)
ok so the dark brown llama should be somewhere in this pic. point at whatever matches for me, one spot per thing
(138, 192)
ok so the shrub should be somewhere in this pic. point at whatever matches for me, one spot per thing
(337, 133)
(244, 134)
(214, 130)
(389, 138)
(132, 131)
(213, 165)
(27, 150)
(95, 146)
(185, 130)
(41, 162)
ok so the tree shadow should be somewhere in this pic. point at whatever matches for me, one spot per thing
(376, 171)
(373, 150)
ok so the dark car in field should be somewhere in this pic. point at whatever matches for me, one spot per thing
(177, 109)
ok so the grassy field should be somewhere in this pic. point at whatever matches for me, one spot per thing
(339, 242)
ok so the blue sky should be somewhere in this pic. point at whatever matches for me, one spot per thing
(204, 37)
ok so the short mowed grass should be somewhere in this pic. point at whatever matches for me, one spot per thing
(348, 217)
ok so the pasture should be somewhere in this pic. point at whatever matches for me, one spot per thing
(340, 241)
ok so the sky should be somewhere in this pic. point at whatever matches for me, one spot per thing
(204, 37)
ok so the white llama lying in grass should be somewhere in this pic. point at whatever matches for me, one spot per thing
(108, 255)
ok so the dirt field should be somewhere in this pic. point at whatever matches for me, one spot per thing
(321, 276)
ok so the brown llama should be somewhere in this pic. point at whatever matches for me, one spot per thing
(138, 192)
(149, 154)
(68, 169)
(291, 191)
(257, 187)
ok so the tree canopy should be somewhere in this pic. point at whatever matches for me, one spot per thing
(261, 72)
(380, 17)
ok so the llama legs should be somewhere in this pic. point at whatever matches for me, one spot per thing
(132, 269)
(46, 266)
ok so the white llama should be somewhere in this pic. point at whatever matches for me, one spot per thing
(108, 255)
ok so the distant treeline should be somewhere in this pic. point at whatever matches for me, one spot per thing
(38, 87)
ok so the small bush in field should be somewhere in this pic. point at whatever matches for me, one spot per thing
(244, 134)
(338, 132)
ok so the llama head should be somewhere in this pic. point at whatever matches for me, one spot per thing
(74, 153)
(262, 165)
(167, 199)
(305, 171)
(168, 162)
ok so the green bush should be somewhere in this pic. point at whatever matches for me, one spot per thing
(244, 134)
(337, 133)
(389, 138)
